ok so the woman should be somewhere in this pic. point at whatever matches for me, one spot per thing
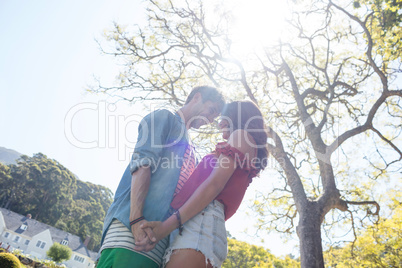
(214, 191)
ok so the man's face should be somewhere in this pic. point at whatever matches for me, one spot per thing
(204, 113)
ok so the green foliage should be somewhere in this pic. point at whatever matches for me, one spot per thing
(385, 27)
(52, 264)
(8, 260)
(35, 262)
(59, 253)
(244, 255)
(378, 246)
(387, 12)
(40, 186)
(53, 195)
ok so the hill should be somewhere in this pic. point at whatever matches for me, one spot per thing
(52, 194)
(8, 156)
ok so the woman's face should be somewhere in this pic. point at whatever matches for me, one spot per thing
(225, 128)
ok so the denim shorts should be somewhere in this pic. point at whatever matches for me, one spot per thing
(206, 233)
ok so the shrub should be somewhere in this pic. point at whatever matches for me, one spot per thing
(59, 253)
(8, 260)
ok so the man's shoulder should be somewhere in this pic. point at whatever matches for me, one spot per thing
(161, 113)
(164, 112)
(162, 117)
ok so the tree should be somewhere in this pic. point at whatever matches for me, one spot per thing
(89, 209)
(244, 255)
(59, 253)
(52, 194)
(13, 185)
(378, 246)
(5, 180)
(54, 186)
(42, 187)
(328, 89)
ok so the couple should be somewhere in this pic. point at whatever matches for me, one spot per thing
(169, 211)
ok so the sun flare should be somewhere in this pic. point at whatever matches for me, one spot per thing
(257, 22)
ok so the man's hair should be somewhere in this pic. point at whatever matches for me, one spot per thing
(208, 94)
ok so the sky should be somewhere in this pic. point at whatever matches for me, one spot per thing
(48, 58)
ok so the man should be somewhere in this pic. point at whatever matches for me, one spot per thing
(162, 161)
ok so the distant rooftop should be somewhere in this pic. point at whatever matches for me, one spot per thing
(14, 221)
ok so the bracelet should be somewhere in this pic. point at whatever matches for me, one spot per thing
(137, 220)
(177, 213)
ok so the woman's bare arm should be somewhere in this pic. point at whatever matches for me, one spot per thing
(208, 190)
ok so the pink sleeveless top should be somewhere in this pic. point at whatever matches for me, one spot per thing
(234, 190)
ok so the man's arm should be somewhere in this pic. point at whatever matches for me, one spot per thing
(152, 133)
(139, 189)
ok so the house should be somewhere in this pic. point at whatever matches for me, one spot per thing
(35, 238)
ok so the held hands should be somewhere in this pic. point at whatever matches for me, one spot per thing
(144, 237)
(149, 233)
(154, 232)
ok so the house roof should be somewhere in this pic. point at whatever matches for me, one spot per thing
(14, 221)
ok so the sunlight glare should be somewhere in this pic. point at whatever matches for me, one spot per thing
(257, 22)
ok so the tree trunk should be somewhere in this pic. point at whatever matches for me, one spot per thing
(309, 233)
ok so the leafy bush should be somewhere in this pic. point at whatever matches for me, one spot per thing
(36, 262)
(8, 260)
(52, 264)
(59, 253)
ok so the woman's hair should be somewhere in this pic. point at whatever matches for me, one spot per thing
(246, 115)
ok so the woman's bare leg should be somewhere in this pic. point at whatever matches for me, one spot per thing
(187, 258)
